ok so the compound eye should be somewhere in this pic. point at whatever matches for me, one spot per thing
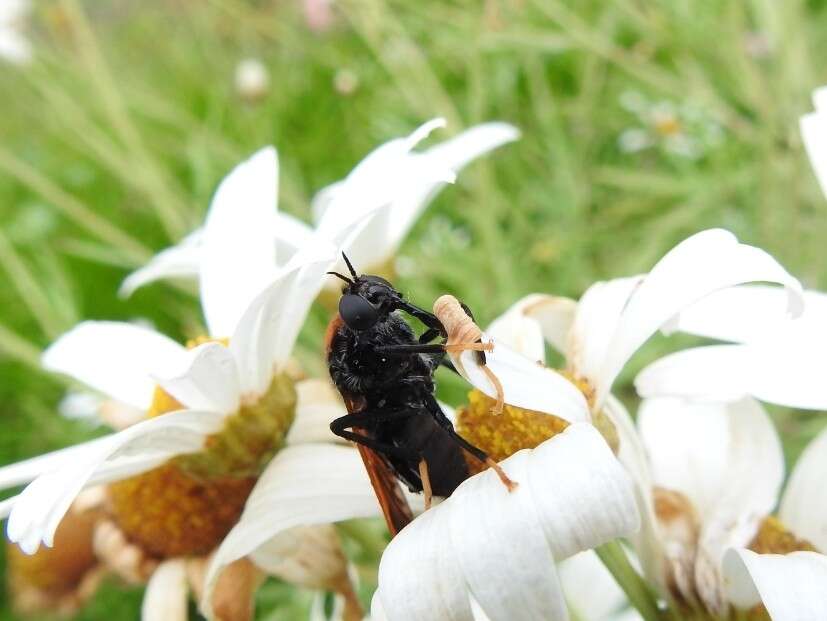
(357, 312)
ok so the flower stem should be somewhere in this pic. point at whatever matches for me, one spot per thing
(636, 589)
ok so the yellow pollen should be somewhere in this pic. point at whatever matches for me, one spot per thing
(162, 403)
(503, 435)
(774, 538)
(169, 513)
(58, 569)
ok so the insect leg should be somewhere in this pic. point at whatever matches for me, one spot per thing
(429, 335)
(426, 482)
(429, 319)
(340, 425)
(413, 348)
(481, 455)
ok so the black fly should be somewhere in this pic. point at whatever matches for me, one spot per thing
(386, 377)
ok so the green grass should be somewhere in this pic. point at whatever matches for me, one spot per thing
(113, 141)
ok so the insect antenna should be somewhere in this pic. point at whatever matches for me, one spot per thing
(345, 278)
(350, 267)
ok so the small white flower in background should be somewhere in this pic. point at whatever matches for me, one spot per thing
(225, 408)
(769, 355)
(252, 79)
(814, 132)
(716, 473)
(392, 175)
(500, 548)
(14, 46)
(682, 130)
(345, 82)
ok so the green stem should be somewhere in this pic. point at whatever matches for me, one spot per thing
(636, 589)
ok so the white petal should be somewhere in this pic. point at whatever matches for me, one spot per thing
(180, 261)
(519, 332)
(704, 263)
(118, 359)
(238, 252)
(499, 547)
(268, 329)
(591, 591)
(389, 176)
(804, 505)
(792, 587)
(210, 381)
(317, 406)
(632, 455)
(813, 131)
(303, 485)
(291, 235)
(555, 315)
(595, 324)
(785, 373)
(29, 469)
(751, 313)
(536, 317)
(37, 511)
(727, 459)
(166, 593)
(525, 383)
(450, 155)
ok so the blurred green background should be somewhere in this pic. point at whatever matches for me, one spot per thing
(642, 123)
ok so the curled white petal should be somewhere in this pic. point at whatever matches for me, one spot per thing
(118, 359)
(525, 383)
(238, 256)
(792, 587)
(704, 263)
(182, 260)
(804, 505)
(499, 547)
(166, 593)
(303, 485)
(37, 511)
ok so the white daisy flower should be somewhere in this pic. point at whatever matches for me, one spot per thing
(770, 355)
(391, 175)
(814, 133)
(598, 335)
(14, 46)
(227, 408)
(717, 470)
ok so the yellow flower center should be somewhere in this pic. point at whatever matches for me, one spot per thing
(774, 538)
(189, 504)
(503, 435)
(170, 513)
(58, 569)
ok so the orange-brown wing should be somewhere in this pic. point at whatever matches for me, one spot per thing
(386, 486)
(388, 492)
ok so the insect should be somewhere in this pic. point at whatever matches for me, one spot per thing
(385, 375)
